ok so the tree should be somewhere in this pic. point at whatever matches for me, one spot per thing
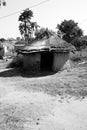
(35, 26)
(80, 42)
(25, 25)
(69, 30)
(2, 3)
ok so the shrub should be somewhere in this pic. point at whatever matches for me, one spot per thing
(80, 43)
(17, 61)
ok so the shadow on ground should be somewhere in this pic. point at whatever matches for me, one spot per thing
(19, 72)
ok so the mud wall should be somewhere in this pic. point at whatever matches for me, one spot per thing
(59, 60)
(1, 53)
(31, 62)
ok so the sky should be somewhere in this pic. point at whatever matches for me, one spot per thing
(48, 14)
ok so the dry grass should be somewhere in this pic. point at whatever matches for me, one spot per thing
(79, 55)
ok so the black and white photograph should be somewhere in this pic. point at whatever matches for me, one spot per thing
(43, 65)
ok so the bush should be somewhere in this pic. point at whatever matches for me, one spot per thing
(77, 57)
(17, 61)
(80, 43)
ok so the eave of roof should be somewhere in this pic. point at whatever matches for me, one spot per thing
(52, 44)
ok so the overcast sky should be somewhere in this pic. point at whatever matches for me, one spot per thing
(48, 14)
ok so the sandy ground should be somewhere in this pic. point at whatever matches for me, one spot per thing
(54, 102)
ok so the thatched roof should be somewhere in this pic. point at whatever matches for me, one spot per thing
(53, 43)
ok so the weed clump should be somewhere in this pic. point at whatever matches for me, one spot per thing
(16, 62)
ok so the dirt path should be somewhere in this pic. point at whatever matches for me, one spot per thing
(42, 103)
(39, 111)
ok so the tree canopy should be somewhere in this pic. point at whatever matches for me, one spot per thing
(25, 25)
(26, 15)
(69, 30)
(80, 42)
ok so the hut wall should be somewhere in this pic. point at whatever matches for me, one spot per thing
(31, 62)
(59, 60)
(1, 53)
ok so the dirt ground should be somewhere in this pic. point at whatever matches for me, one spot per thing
(44, 102)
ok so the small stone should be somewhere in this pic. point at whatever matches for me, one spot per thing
(37, 123)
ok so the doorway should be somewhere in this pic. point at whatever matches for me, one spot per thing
(46, 61)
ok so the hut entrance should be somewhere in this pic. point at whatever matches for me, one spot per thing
(46, 61)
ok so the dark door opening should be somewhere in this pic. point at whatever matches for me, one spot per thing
(46, 61)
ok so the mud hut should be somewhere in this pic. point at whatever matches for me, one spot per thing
(48, 54)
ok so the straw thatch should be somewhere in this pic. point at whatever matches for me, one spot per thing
(53, 43)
